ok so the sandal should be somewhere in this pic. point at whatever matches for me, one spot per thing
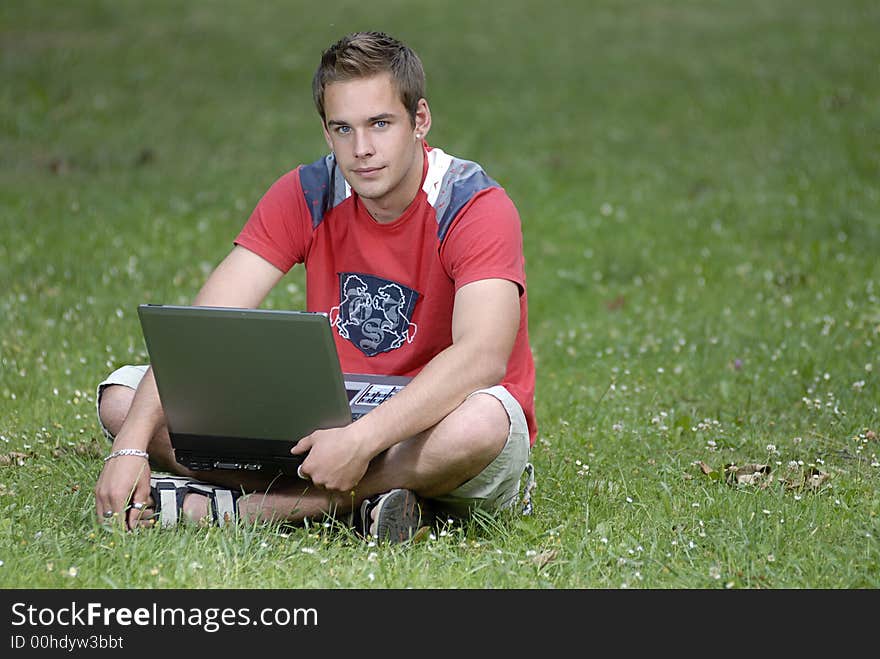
(400, 516)
(168, 493)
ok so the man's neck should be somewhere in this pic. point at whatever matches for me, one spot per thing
(388, 209)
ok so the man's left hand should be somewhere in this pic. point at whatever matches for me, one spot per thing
(336, 459)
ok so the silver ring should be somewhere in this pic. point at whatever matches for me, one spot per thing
(300, 473)
(137, 505)
(108, 514)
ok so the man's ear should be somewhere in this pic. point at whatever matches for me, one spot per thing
(422, 119)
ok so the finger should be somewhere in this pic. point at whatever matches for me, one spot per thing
(133, 513)
(302, 446)
(104, 510)
(137, 506)
(112, 509)
(110, 517)
(102, 503)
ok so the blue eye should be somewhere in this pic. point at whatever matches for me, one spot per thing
(343, 130)
(381, 124)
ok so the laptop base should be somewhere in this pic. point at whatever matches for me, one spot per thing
(270, 456)
(255, 464)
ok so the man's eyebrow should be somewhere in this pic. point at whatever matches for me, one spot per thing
(379, 117)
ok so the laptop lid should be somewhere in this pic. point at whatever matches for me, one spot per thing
(239, 387)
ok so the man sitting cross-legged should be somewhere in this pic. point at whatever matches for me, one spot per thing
(392, 229)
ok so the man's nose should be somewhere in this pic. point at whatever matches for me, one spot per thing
(363, 145)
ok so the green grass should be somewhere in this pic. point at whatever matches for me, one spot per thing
(700, 190)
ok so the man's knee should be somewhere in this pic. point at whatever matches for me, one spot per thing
(481, 426)
(113, 406)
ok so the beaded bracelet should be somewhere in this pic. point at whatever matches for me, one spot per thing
(128, 451)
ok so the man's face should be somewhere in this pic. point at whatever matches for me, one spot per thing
(376, 144)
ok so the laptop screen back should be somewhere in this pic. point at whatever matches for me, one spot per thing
(249, 373)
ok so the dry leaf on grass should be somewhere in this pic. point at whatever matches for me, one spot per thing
(811, 479)
(815, 478)
(748, 474)
(544, 558)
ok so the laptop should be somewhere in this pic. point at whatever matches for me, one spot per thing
(239, 387)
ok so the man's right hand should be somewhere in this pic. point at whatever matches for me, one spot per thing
(124, 481)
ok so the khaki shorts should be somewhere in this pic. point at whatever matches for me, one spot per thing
(497, 487)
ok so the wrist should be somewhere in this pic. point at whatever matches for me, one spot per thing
(118, 453)
(369, 437)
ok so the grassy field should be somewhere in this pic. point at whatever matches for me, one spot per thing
(699, 183)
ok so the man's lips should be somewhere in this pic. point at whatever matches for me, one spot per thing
(366, 171)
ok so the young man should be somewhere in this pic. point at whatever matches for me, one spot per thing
(388, 228)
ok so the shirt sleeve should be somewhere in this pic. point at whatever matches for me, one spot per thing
(485, 241)
(279, 227)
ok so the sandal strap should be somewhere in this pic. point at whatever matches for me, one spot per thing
(223, 506)
(168, 500)
(169, 492)
(222, 502)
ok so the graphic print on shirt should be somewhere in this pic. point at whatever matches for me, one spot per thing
(374, 313)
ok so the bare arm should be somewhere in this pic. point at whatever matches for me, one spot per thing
(484, 325)
(242, 279)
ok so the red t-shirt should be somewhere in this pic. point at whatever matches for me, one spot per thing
(389, 288)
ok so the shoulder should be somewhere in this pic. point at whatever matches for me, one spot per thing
(452, 184)
(449, 175)
(323, 186)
